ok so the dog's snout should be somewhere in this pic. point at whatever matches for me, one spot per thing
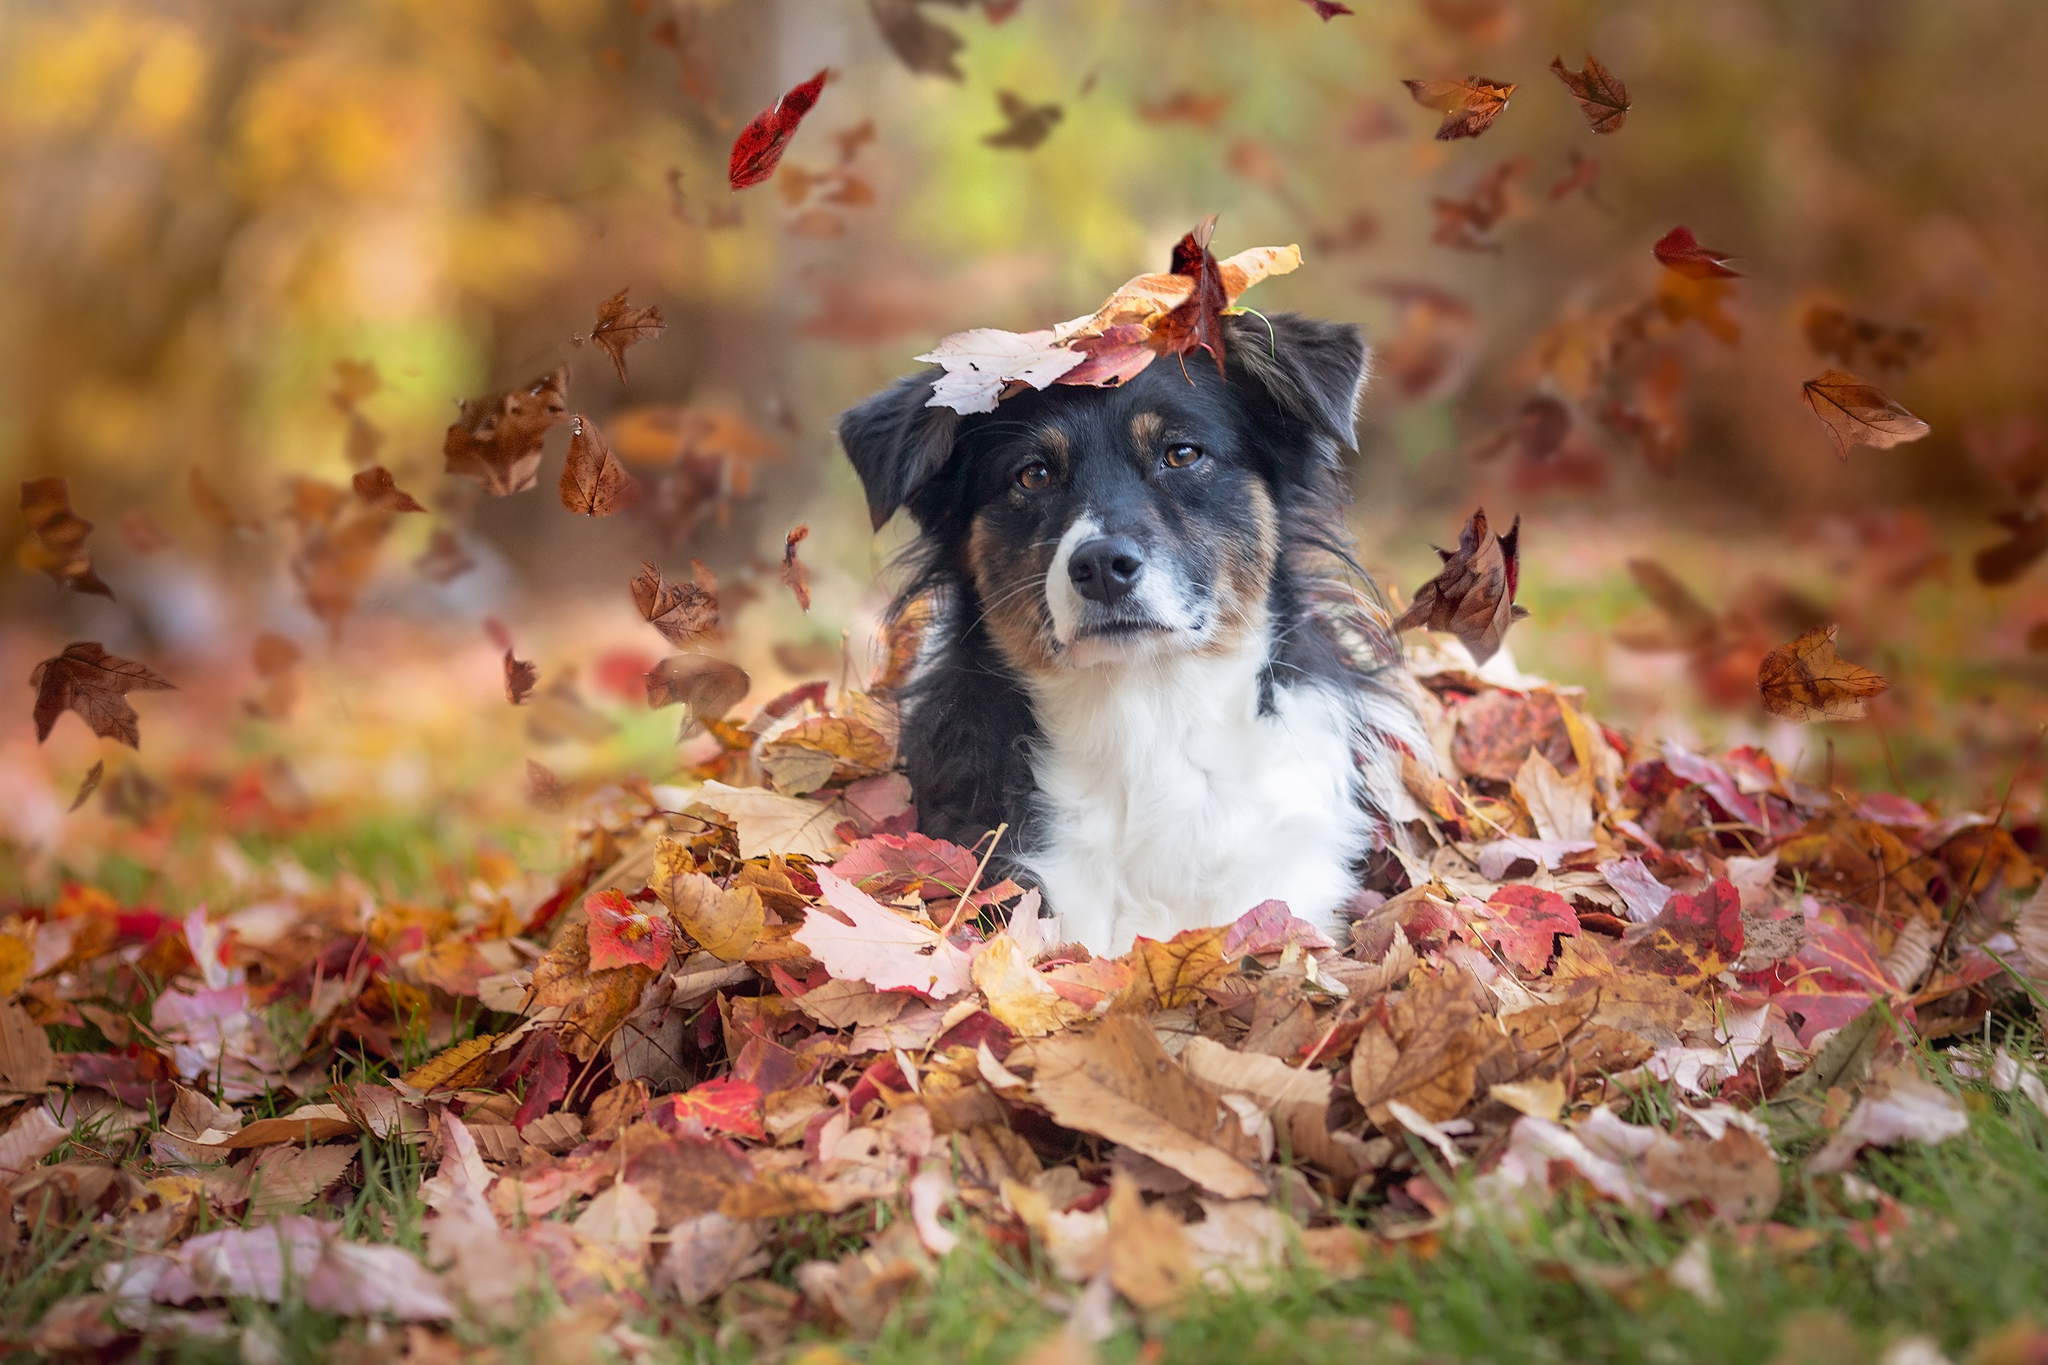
(1106, 568)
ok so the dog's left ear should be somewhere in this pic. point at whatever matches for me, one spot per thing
(896, 443)
(1314, 370)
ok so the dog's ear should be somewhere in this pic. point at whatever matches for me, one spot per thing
(1314, 370)
(896, 443)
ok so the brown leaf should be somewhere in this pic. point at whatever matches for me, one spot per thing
(89, 786)
(1997, 564)
(685, 613)
(795, 576)
(620, 325)
(1804, 681)
(497, 439)
(92, 682)
(59, 546)
(594, 1003)
(520, 677)
(1469, 106)
(1119, 1083)
(1424, 1050)
(709, 687)
(1602, 98)
(1025, 124)
(1185, 106)
(444, 560)
(1198, 320)
(1736, 1177)
(1171, 974)
(1537, 432)
(338, 548)
(1464, 223)
(594, 483)
(724, 923)
(544, 790)
(26, 1059)
(1835, 332)
(1859, 414)
(921, 45)
(1474, 597)
(1432, 348)
(376, 487)
(214, 508)
(454, 1068)
(354, 380)
(1150, 1262)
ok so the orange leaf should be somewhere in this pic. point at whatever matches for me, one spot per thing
(1804, 681)
(1858, 413)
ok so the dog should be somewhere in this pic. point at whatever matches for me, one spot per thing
(1150, 652)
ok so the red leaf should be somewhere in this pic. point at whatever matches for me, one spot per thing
(623, 934)
(546, 1068)
(794, 573)
(1269, 927)
(723, 1106)
(759, 147)
(1198, 321)
(886, 865)
(1326, 10)
(1524, 922)
(1692, 938)
(1677, 250)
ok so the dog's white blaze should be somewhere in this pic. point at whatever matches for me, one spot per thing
(1170, 803)
(1160, 597)
(1062, 602)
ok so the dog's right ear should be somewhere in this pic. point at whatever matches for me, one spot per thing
(896, 443)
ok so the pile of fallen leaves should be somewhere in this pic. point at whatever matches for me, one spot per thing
(762, 1014)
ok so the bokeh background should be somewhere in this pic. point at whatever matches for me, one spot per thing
(213, 215)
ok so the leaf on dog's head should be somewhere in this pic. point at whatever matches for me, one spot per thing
(59, 546)
(1602, 98)
(594, 483)
(619, 325)
(758, 149)
(1025, 124)
(982, 361)
(1804, 681)
(709, 687)
(376, 487)
(1678, 250)
(795, 575)
(1198, 320)
(1474, 597)
(1857, 413)
(92, 682)
(1469, 106)
(684, 613)
(497, 439)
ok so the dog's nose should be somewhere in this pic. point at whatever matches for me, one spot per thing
(1106, 568)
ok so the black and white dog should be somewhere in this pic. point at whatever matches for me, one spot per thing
(1131, 657)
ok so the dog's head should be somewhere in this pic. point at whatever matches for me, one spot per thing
(1122, 523)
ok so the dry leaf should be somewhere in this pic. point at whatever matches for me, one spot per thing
(497, 440)
(1804, 681)
(1469, 106)
(708, 687)
(620, 325)
(1025, 124)
(444, 560)
(1017, 994)
(1150, 1262)
(1857, 413)
(758, 149)
(725, 923)
(376, 487)
(89, 785)
(59, 545)
(1680, 251)
(26, 1061)
(685, 613)
(94, 683)
(1474, 597)
(1425, 1050)
(1602, 98)
(883, 947)
(594, 483)
(795, 576)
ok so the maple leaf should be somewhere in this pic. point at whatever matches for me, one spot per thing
(867, 941)
(709, 687)
(1464, 223)
(1198, 320)
(723, 1106)
(621, 933)
(520, 675)
(982, 361)
(444, 560)
(1857, 413)
(770, 822)
(888, 865)
(1692, 938)
(1997, 564)
(684, 613)
(497, 439)
(1326, 10)
(923, 46)
(795, 576)
(759, 147)
(594, 483)
(88, 786)
(544, 1068)
(1025, 124)
(726, 923)
(1424, 1051)
(1677, 250)
(620, 325)
(376, 486)
(92, 682)
(59, 547)
(1474, 597)
(1602, 98)
(1017, 993)
(1804, 681)
(1523, 921)
(1469, 106)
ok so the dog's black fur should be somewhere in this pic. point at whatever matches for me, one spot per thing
(1278, 419)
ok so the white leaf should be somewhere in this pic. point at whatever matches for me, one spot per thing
(875, 944)
(980, 362)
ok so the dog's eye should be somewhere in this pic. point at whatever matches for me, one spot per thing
(1181, 456)
(1034, 476)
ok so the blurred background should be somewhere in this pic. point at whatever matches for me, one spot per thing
(250, 248)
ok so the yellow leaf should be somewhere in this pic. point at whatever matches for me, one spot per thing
(725, 922)
(454, 1067)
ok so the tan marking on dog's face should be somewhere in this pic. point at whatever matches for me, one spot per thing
(1011, 587)
(1145, 429)
(1244, 576)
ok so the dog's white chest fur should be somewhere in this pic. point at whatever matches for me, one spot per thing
(1168, 802)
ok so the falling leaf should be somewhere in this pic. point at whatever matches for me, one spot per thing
(594, 483)
(497, 440)
(1469, 106)
(759, 147)
(1677, 250)
(982, 361)
(214, 508)
(1692, 938)
(444, 559)
(1536, 433)
(867, 941)
(89, 786)
(1185, 106)
(1026, 124)
(685, 613)
(1858, 413)
(921, 45)
(1999, 564)
(1473, 598)
(1602, 98)
(1433, 345)
(795, 576)
(1584, 175)
(725, 923)
(1835, 332)
(376, 487)
(1464, 223)
(1119, 1083)
(622, 933)
(544, 790)
(59, 545)
(1804, 681)
(708, 687)
(92, 682)
(620, 325)
(1326, 10)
